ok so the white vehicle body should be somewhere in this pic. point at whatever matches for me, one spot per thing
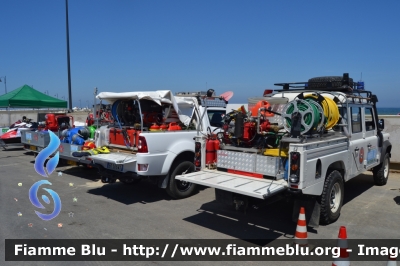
(357, 144)
(163, 148)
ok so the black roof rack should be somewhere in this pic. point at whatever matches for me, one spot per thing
(356, 91)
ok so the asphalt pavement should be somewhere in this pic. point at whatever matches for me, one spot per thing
(93, 210)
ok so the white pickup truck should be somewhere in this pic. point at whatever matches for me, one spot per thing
(329, 133)
(153, 136)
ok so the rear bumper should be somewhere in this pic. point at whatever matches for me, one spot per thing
(116, 163)
(155, 163)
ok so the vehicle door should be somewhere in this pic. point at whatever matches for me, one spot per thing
(371, 157)
(357, 141)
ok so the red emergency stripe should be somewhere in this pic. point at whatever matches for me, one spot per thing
(245, 173)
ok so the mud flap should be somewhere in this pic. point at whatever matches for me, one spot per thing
(163, 181)
(312, 208)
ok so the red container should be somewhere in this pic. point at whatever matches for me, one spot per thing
(155, 127)
(51, 122)
(174, 126)
(164, 127)
(117, 137)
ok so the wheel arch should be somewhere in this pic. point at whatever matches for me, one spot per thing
(183, 156)
(339, 166)
(386, 148)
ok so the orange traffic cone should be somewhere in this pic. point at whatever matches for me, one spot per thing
(300, 238)
(392, 262)
(343, 259)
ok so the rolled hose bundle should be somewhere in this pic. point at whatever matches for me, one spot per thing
(331, 110)
(311, 119)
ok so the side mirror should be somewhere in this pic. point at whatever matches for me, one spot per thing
(381, 124)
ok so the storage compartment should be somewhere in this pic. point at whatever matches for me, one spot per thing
(250, 162)
(116, 137)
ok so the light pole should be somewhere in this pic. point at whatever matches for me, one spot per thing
(80, 104)
(87, 104)
(56, 95)
(68, 63)
(5, 83)
(46, 92)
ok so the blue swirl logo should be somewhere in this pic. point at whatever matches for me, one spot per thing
(40, 169)
(35, 201)
(45, 153)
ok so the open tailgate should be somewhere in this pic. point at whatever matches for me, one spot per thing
(250, 186)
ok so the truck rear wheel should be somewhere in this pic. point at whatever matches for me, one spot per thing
(381, 172)
(180, 189)
(331, 199)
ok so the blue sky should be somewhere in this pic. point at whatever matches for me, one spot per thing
(241, 46)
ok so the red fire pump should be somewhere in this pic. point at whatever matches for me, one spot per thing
(244, 129)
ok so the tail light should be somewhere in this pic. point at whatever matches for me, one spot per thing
(142, 145)
(197, 156)
(294, 176)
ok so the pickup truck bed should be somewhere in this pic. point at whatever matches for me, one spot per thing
(37, 141)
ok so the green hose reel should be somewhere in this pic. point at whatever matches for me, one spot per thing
(312, 115)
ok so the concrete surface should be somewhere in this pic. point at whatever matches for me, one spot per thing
(144, 211)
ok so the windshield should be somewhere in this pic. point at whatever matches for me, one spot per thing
(216, 117)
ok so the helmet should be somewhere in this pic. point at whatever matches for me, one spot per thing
(88, 145)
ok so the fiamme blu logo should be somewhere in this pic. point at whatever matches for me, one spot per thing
(46, 171)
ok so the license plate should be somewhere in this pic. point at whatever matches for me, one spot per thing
(115, 167)
(71, 162)
(29, 136)
(74, 148)
(33, 148)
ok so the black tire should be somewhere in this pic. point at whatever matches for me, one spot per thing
(381, 172)
(327, 82)
(181, 189)
(130, 181)
(331, 200)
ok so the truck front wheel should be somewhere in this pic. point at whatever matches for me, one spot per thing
(331, 199)
(381, 172)
(180, 189)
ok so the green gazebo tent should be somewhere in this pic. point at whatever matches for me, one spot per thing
(28, 97)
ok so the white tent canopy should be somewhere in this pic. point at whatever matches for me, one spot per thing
(182, 105)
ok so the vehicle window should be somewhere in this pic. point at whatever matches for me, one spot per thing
(216, 117)
(356, 119)
(369, 119)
